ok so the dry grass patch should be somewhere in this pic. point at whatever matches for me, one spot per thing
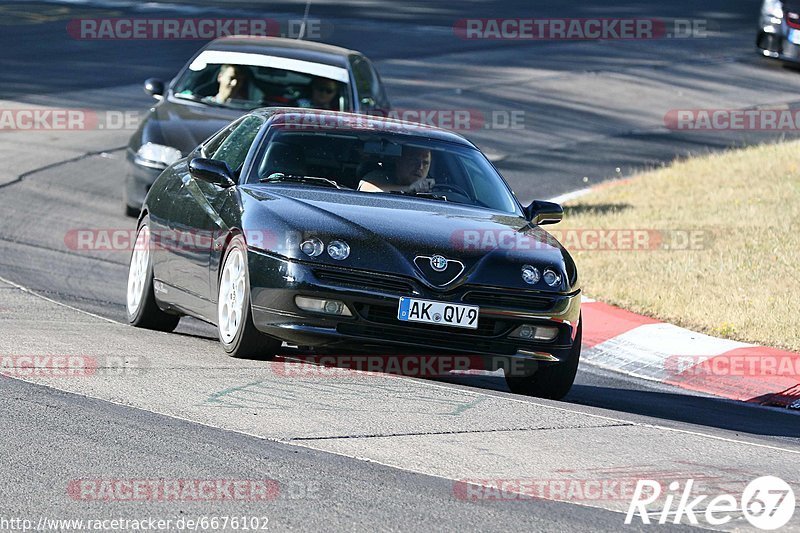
(741, 280)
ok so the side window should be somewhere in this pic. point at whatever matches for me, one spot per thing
(211, 145)
(483, 188)
(234, 147)
(370, 90)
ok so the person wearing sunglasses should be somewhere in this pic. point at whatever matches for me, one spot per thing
(324, 95)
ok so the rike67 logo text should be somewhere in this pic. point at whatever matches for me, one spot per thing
(767, 503)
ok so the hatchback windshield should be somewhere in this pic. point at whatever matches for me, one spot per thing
(215, 79)
(384, 163)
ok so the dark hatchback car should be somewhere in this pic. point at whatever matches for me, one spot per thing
(269, 71)
(779, 30)
(264, 230)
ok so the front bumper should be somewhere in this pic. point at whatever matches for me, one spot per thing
(138, 180)
(772, 42)
(373, 301)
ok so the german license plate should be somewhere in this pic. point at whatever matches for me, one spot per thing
(794, 36)
(439, 313)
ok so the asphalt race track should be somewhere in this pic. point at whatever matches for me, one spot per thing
(350, 450)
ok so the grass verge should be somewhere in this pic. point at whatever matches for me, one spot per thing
(716, 247)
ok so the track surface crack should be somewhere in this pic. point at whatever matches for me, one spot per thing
(56, 164)
(460, 432)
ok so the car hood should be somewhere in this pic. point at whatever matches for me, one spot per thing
(186, 125)
(395, 234)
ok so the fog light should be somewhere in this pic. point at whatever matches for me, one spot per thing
(551, 278)
(535, 333)
(312, 247)
(319, 305)
(338, 250)
(526, 332)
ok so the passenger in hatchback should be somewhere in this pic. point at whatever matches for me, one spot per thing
(324, 95)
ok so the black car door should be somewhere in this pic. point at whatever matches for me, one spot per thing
(196, 215)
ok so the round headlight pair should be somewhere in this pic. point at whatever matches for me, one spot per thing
(313, 247)
(531, 276)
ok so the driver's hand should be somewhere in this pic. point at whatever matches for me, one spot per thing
(422, 185)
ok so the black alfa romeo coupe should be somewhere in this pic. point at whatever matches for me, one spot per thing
(338, 231)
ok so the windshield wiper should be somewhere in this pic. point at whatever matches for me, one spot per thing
(213, 103)
(277, 177)
(185, 96)
(426, 195)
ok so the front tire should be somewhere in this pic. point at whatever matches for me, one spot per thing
(553, 381)
(143, 311)
(237, 334)
(130, 211)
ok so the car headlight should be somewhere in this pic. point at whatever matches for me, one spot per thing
(530, 274)
(772, 8)
(157, 155)
(551, 277)
(312, 247)
(338, 250)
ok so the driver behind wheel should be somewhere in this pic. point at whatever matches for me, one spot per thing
(410, 174)
(233, 85)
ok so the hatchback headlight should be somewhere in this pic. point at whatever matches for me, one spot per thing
(157, 155)
(772, 8)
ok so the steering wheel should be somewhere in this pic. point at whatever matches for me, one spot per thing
(448, 187)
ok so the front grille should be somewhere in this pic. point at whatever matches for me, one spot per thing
(439, 340)
(365, 280)
(514, 301)
(384, 314)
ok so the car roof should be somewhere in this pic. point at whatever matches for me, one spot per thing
(325, 54)
(317, 118)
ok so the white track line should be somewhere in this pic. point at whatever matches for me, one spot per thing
(36, 294)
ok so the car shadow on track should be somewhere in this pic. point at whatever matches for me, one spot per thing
(603, 392)
(686, 408)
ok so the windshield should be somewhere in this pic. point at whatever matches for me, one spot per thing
(384, 163)
(218, 81)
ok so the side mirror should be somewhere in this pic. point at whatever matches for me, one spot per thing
(211, 171)
(540, 213)
(154, 87)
